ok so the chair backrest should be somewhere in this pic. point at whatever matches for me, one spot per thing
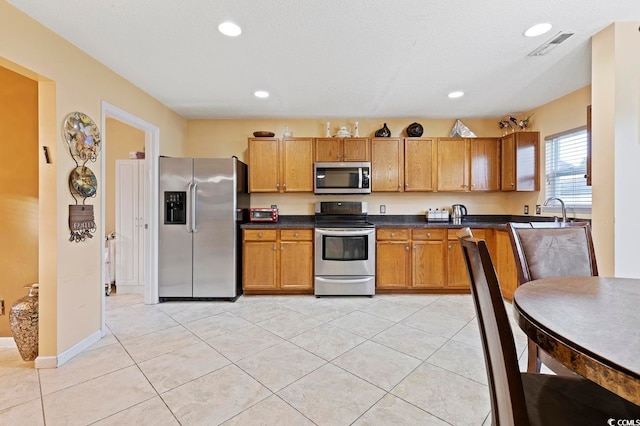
(508, 404)
(544, 250)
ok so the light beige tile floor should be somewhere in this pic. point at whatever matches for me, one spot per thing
(265, 360)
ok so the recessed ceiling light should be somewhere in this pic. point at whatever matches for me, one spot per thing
(457, 94)
(229, 29)
(261, 94)
(537, 29)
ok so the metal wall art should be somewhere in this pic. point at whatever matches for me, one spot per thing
(83, 138)
(461, 131)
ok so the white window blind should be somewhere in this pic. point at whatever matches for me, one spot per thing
(566, 169)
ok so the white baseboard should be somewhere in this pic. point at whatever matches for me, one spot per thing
(129, 289)
(7, 343)
(54, 362)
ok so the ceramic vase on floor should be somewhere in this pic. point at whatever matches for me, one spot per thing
(23, 321)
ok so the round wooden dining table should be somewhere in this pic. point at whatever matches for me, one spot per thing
(590, 324)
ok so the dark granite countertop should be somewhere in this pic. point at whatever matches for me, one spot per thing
(408, 221)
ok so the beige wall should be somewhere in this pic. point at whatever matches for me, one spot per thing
(71, 295)
(122, 140)
(18, 188)
(565, 113)
(223, 138)
(616, 147)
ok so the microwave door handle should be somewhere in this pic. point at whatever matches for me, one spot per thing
(359, 177)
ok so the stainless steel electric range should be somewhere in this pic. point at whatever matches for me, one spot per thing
(345, 249)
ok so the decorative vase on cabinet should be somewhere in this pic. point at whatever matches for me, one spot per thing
(23, 321)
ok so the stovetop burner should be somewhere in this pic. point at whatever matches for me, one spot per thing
(342, 214)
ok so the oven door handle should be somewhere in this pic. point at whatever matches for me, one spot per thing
(344, 280)
(340, 232)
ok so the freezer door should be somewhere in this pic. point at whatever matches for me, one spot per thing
(175, 239)
(214, 229)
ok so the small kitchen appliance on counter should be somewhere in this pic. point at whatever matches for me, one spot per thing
(458, 211)
(345, 249)
(263, 214)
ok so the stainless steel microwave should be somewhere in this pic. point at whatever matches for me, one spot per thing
(342, 178)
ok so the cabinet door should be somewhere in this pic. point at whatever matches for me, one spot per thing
(386, 165)
(297, 165)
(329, 149)
(457, 275)
(505, 263)
(453, 164)
(419, 161)
(508, 164)
(264, 165)
(527, 161)
(296, 265)
(392, 264)
(485, 164)
(428, 264)
(356, 149)
(259, 265)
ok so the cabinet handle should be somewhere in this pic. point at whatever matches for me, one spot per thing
(345, 156)
(338, 156)
(406, 185)
(513, 184)
(284, 186)
(450, 246)
(414, 247)
(393, 234)
(295, 234)
(274, 248)
(278, 185)
(428, 234)
(259, 234)
(281, 248)
(406, 248)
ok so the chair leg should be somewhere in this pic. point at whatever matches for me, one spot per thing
(533, 360)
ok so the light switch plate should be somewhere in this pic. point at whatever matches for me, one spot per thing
(538, 209)
(383, 208)
(526, 209)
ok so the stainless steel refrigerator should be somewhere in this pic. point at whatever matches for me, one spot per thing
(203, 201)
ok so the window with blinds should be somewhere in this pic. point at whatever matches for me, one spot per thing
(566, 164)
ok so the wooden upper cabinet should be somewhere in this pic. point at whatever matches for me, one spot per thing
(420, 159)
(386, 165)
(281, 165)
(342, 149)
(519, 162)
(297, 165)
(264, 165)
(453, 164)
(485, 164)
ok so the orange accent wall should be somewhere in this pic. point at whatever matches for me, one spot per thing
(18, 188)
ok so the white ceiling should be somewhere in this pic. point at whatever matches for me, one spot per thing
(332, 58)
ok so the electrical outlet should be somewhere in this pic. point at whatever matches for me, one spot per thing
(538, 209)
(383, 208)
(526, 209)
(274, 206)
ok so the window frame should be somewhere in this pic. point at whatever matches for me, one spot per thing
(570, 207)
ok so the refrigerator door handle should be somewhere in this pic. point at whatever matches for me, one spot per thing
(188, 206)
(194, 188)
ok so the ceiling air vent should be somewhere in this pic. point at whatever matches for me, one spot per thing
(547, 46)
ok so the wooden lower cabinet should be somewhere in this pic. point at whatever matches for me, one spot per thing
(457, 275)
(505, 263)
(421, 259)
(277, 261)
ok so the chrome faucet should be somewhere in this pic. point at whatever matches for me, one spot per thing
(564, 210)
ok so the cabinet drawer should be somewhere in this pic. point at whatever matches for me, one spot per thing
(392, 234)
(428, 234)
(477, 233)
(260, 234)
(296, 234)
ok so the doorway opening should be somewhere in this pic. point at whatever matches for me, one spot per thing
(149, 236)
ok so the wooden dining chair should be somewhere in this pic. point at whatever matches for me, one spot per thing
(546, 250)
(525, 399)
